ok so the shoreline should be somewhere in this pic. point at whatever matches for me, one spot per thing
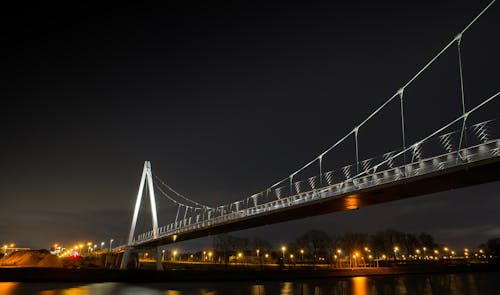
(88, 275)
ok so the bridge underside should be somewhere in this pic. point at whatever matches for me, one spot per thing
(462, 176)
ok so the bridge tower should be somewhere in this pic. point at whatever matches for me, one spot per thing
(146, 175)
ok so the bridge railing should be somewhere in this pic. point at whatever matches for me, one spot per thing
(370, 178)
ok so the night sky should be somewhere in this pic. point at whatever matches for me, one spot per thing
(225, 99)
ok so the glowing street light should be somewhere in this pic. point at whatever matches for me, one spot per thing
(283, 249)
(396, 249)
(174, 253)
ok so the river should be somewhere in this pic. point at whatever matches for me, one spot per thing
(442, 284)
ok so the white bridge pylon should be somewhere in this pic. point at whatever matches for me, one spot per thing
(146, 175)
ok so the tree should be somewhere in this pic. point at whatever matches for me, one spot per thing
(493, 247)
(262, 245)
(315, 243)
(352, 242)
(227, 245)
(426, 240)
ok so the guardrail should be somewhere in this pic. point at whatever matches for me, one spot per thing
(486, 150)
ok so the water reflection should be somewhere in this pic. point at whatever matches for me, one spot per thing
(8, 288)
(359, 286)
(472, 283)
(258, 290)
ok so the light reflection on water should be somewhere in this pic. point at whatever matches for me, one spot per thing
(471, 283)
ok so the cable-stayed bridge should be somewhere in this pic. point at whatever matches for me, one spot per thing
(462, 152)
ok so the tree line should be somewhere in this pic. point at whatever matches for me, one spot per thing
(314, 245)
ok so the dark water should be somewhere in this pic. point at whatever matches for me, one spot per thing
(468, 283)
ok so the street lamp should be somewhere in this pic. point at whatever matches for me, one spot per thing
(110, 243)
(396, 249)
(174, 254)
(302, 255)
(283, 249)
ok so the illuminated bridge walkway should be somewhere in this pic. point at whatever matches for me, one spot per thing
(462, 152)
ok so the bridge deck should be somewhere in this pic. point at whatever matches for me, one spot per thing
(474, 173)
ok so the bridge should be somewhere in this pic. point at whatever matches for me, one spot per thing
(463, 152)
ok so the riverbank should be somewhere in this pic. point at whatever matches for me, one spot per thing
(146, 276)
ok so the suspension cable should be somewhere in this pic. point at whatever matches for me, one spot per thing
(178, 194)
(458, 119)
(427, 65)
(169, 197)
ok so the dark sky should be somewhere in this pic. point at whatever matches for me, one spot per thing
(225, 99)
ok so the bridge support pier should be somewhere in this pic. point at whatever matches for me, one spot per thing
(125, 259)
(159, 258)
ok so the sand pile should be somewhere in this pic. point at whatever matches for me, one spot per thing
(31, 258)
(50, 261)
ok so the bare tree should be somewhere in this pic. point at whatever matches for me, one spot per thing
(315, 243)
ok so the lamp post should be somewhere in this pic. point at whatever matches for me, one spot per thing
(302, 255)
(396, 249)
(239, 257)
